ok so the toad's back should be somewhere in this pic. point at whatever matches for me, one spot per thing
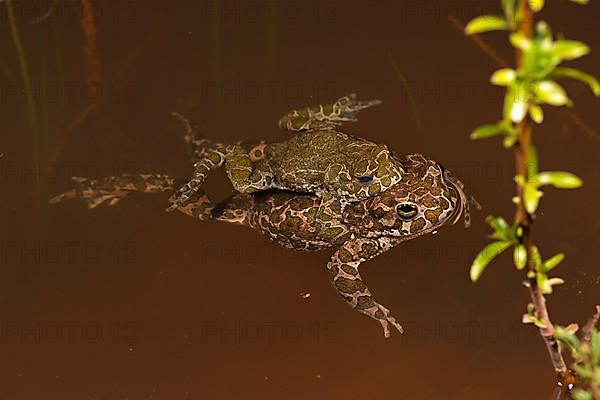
(308, 161)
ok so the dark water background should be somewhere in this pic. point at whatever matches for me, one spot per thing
(129, 302)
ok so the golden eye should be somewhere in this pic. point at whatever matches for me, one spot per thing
(407, 211)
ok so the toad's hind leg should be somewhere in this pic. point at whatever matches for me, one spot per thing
(343, 271)
(112, 189)
(198, 146)
(208, 156)
(326, 116)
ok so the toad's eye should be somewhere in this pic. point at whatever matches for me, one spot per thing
(407, 211)
(364, 180)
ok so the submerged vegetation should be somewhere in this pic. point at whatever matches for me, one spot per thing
(530, 85)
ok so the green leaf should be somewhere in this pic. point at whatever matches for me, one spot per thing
(508, 6)
(485, 23)
(573, 73)
(515, 104)
(520, 41)
(531, 197)
(520, 256)
(536, 113)
(489, 130)
(559, 179)
(544, 32)
(580, 394)
(581, 2)
(552, 282)
(567, 337)
(536, 5)
(509, 141)
(532, 163)
(595, 347)
(504, 77)
(502, 231)
(535, 255)
(552, 262)
(569, 49)
(486, 255)
(552, 93)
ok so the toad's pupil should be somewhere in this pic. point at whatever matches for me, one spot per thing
(406, 208)
(364, 180)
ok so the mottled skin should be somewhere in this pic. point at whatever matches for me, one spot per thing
(426, 199)
(319, 160)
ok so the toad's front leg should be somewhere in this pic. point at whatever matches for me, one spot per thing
(343, 270)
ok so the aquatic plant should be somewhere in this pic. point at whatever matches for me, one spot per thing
(530, 85)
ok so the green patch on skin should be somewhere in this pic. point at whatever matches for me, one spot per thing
(433, 215)
(275, 216)
(361, 167)
(214, 157)
(343, 239)
(334, 171)
(239, 175)
(325, 217)
(345, 256)
(378, 213)
(374, 189)
(292, 223)
(255, 178)
(297, 123)
(365, 302)
(346, 285)
(444, 204)
(300, 203)
(330, 233)
(367, 251)
(417, 225)
(349, 270)
(429, 201)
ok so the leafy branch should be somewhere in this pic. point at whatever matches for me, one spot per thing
(529, 86)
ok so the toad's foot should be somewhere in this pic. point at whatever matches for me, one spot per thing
(343, 271)
(112, 189)
(382, 314)
(198, 206)
(326, 116)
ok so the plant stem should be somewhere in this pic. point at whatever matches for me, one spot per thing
(525, 220)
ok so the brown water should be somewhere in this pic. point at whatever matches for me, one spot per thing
(130, 302)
